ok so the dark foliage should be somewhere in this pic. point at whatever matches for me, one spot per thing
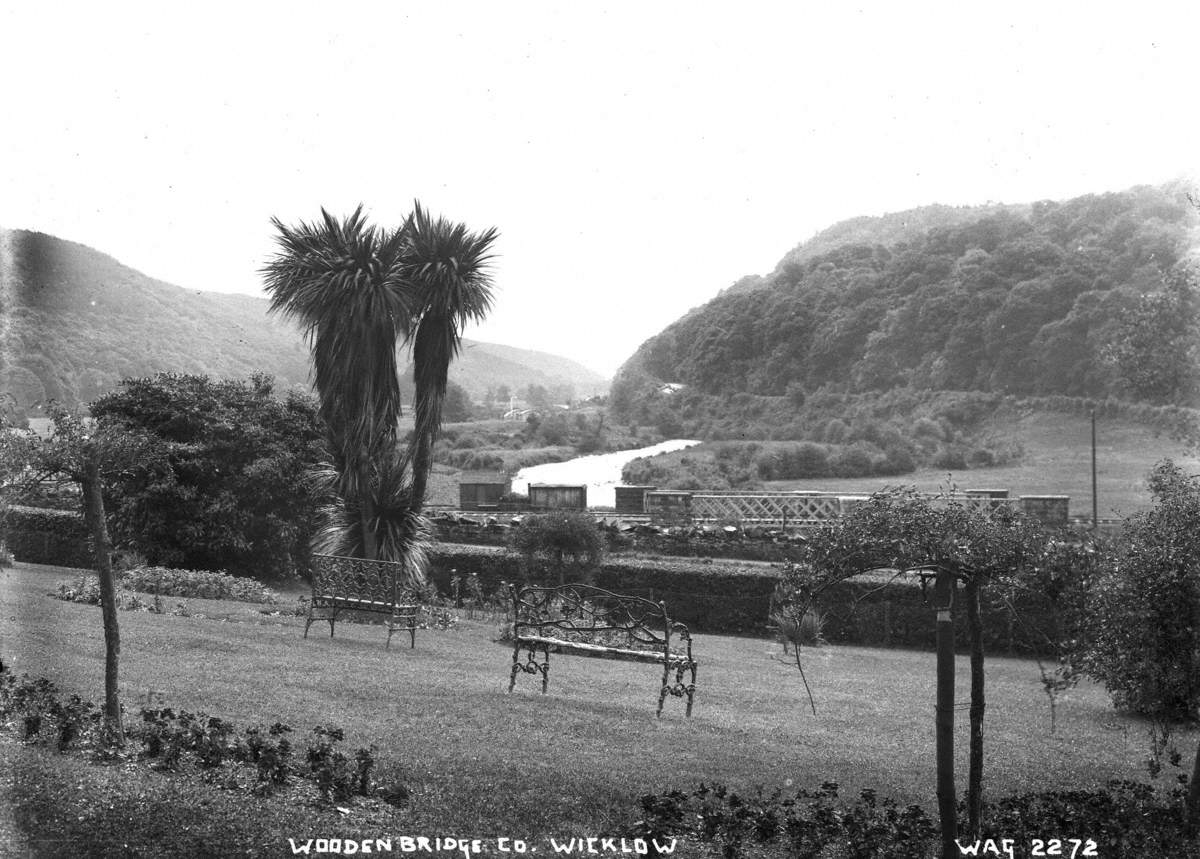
(1071, 298)
(233, 493)
(1143, 640)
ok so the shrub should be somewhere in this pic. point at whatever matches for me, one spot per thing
(852, 462)
(234, 490)
(950, 458)
(38, 536)
(1144, 644)
(552, 543)
(810, 823)
(198, 584)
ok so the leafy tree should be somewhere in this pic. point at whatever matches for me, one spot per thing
(457, 407)
(233, 491)
(951, 543)
(1154, 346)
(567, 540)
(1144, 641)
(359, 292)
(89, 456)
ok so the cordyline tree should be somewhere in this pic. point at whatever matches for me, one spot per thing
(954, 545)
(88, 456)
(360, 292)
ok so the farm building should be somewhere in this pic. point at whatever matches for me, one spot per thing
(481, 490)
(552, 496)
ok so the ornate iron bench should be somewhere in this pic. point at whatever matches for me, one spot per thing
(354, 584)
(570, 619)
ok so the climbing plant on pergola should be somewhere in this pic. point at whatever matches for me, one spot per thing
(958, 547)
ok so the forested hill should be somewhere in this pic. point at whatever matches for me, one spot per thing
(74, 322)
(1085, 298)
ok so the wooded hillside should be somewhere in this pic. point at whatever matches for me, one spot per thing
(1092, 297)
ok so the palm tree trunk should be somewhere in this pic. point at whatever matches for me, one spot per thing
(975, 773)
(93, 510)
(944, 585)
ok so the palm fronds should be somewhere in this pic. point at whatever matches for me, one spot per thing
(358, 292)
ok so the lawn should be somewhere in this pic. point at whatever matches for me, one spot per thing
(481, 762)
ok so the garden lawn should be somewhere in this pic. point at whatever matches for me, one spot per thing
(482, 762)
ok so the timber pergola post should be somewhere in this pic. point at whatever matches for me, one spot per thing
(944, 586)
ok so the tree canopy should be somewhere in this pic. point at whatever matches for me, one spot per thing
(1049, 299)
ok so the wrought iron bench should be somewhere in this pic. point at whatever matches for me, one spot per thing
(571, 619)
(354, 584)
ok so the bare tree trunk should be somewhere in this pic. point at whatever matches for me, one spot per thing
(975, 773)
(93, 509)
(944, 586)
(1192, 802)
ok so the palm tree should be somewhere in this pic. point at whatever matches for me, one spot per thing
(342, 282)
(359, 292)
(448, 266)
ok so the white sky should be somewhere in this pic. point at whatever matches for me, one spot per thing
(636, 159)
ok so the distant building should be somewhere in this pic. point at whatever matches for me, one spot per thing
(548, 496)
(482, 490)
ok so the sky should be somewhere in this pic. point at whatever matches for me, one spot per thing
(636, 158)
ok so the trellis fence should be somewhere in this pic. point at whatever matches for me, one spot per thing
(799, 509)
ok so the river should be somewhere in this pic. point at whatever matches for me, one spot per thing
(601, 472)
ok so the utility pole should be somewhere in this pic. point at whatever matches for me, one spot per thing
(1095, 501)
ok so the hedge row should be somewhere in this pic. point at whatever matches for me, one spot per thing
(40, 536)
(741, 547)
(727, 598)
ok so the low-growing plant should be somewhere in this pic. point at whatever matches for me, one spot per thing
(810, 823)
(200, 584)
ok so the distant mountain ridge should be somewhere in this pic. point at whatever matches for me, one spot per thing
(74, 322)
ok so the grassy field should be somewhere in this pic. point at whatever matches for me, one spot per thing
(1057, 461)
(482, 762)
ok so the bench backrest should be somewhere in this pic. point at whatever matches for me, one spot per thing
(357, 578)
(588, 609)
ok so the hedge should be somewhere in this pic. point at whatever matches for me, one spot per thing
(40, 536)
(708, 596)
(729, 598)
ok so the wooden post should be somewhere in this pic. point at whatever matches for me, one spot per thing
(975, 773)
(944, 585)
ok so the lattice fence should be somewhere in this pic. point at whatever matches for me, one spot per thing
(787, 508)
(766, 508)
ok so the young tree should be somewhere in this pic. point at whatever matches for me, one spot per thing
(89, 456)
(951, 543)
(567, 540)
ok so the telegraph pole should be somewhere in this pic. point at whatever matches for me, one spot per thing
(1095, 501)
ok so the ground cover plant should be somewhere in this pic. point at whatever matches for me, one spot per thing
(527, 765)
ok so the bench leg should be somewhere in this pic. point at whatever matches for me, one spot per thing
(516, 667)
(691, 691)
(546, 671)
(662, 693)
